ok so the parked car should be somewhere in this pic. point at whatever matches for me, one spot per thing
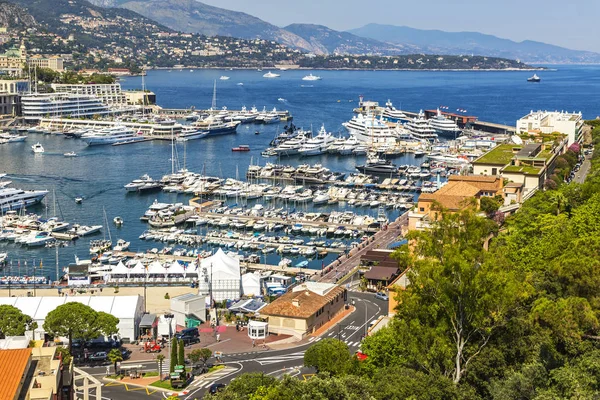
(99, 356)
(189, 340)
(382, 296)
(216, 388)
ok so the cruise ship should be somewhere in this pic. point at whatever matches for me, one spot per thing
(318, 144)
(419, 127)
(110, 135)
(392, 114)
(370, 129)
(444, 126)
(15, 199)
(36, 106)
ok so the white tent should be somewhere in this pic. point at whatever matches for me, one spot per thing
(192, 269)
(251, 284)
(120, 269)
(176, 269)
(138, 269)
(156, 268)
(220, 276)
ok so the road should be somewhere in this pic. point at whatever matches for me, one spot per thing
(583, 171)
(272, 362)
(381, 240)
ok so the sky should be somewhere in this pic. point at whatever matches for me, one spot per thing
(568, 23)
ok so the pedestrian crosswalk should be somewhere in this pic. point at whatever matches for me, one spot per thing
(280, 358)
(203, 382)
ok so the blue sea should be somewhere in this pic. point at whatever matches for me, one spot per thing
(99, 173)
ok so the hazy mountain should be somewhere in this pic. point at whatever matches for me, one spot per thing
(329, 41)
(196, 17)
(12, 16)
(440, 42)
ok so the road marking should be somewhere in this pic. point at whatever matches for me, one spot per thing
(222, 341)
(311, 339)
(319, 338)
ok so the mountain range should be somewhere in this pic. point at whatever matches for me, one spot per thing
(372, 39)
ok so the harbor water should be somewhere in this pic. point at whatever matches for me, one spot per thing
(99, 172)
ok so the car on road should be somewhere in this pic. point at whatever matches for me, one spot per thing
(99, 356)
(381, 296)
(216, 388)
(189, 340)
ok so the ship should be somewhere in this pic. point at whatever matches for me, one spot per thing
(534, 78)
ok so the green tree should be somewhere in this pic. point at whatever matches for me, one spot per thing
(328, 355)
(489, 205)
(115, 356)
(181, 352)
(13, 322)
(458, 297)
(75, 320)
(160, 358)
(199, 355)
(248, 386)
(173, 361)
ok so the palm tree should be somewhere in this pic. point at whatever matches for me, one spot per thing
(115, 356)
(160, 358)
(560, 200)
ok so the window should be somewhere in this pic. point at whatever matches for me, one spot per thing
(494, 171)
(422, 209)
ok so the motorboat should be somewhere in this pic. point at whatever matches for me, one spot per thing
(241, 147)
(70, 154)
(39, 239)
(145, 182)
(224, 78)
(444, 126)
(271, 75)
(111, 135)
(15, 199)
(191, 133)
(318, 144)
(268, 117)
(291, 146)
(534, 78)
(376, 165)
(84, 230)
(118, 221)
(214, 125)
(121, 245)
(37, 148)
(350, 145)
(311, 77)
(78, 200)
(321, 198)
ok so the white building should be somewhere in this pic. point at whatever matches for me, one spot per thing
(569, 124)
(110, 93)
(36, 106)
(188, 307)
(128, 309)
(219, 276)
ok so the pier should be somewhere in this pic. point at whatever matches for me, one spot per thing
(249, 266)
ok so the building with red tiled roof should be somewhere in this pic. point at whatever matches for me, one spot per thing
(460, 192)
(14, 372)
(305, 308)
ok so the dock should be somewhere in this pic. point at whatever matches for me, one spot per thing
(249, 266)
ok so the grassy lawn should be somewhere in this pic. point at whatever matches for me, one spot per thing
(164, 385)
(500, 155)
(149, 374)
(216, 368)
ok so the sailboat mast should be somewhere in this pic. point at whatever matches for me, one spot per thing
(213, 106)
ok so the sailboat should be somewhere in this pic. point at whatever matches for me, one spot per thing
(100, 246)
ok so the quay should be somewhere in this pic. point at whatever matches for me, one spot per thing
(249, 266)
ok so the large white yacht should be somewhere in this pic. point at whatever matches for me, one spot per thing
(311, 77)
(191, 133)
(419, 127)
(370, 129)
(15, 199)
(444, 126)
(318, 144)
(214, 125)
(271, 75)
(392, 114)
(290, 147)
(110, 135)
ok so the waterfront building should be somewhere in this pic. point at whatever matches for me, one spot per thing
(54, 63)
(547, 122)
(529, 164)
(14, 60)
(458, 193)
(128, 309)
(305, 308)
(110, 94)
(10, 99)
(36, 106)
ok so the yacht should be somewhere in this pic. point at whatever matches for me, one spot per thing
(190, 133)
(142, 184)
(37, 148)
(321, 198)
(224, 78)
(318, 144)
(311, 77)
(15, 199)
(110, 135)
(335, 146)
(376, 165)
(271, 75)
(444, 126)
(419, 127)
(214, 126)
(534, 78)
(268, 117)
(290, 147)
(36, 106)
(370, 129)
(392, 114)
(349, 146)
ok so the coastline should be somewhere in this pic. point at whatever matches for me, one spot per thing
(356, 69)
